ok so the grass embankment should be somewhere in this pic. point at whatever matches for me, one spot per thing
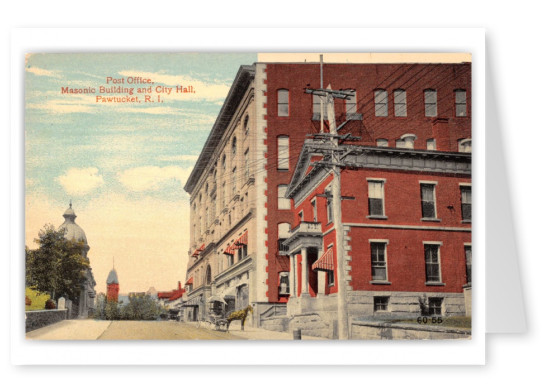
(38, 299)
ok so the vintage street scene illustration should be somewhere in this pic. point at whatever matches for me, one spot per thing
(269, 196)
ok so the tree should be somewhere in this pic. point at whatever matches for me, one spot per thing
(141, 308)
(57, 266)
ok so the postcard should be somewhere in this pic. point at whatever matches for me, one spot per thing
(273, 196)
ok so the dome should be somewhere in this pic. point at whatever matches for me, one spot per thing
(72, 229)
(112, 277)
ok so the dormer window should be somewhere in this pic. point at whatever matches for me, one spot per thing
(464, 145)
(406, 141)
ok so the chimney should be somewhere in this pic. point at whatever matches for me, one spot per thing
(179, 286)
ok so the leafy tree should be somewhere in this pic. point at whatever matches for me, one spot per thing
(112, 310)
(101, 303)
(141, 308)
(57, 266)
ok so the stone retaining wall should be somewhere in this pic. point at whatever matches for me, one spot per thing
(37, 319)
(382, 330)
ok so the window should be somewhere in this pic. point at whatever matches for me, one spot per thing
(329, 205)
(430, 103)
(283, 152)
(466, 203)
(283, 230)
(375, 193)
(406, 141)
(330, 278)
(301, 215)
(223, 163)
(234, 181)
(314, 210)
(246, 125)
(234, 145)
(283, 283)
(351, 105)
(381, 103)
(432, 262)
(242, 252)
(428, 205)
(382, 142)
(380, 303)
(378, 261)
(230, 259)
(400, 106)
(223, 194)
(468, 262)
(208, 276)
(464, 145)
(431, 144)
(460, 103)
(282, 202)
(316, 106)
(435, 305)
(283, 103)
(246, 164)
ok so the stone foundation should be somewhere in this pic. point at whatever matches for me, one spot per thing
(382, 330)
(37, 319)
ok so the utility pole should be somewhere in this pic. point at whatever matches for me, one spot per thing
(327, 97)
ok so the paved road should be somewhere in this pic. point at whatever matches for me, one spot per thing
(129, 330)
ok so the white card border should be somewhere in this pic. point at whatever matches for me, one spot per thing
(25, 352)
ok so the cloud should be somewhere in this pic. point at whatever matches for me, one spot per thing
(212, 90)
(179, 158)
(152, 177)
(42, 72)
(80, 181)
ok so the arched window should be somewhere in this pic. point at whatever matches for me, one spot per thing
(234, 145)
(208, 275)
(246, 125)
(283, 103)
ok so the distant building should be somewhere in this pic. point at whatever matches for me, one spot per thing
(86, 302)
(113, 286)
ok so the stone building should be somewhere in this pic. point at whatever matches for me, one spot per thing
(241, 217)
(86, 302)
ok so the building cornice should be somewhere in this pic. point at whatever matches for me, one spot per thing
(244, 76)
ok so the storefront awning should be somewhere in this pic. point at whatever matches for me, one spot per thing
(325, 262)
(189, 281)
(243, 240)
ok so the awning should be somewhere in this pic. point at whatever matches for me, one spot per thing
(229, 250)
(216, 298)
(189, 281)
(325, 262)
(243, 240)
(198, 250)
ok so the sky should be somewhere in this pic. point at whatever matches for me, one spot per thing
(123, 165)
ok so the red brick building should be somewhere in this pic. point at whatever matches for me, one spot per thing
(113, 286)
(239, 185)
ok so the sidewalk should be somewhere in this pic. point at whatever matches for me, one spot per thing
(82, 329)
(262, 334)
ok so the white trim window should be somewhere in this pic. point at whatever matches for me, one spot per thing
(460, 103)
(468, 262)
(282, 202)
(382, 142)
(428, 200)
(400, 103)
(431, 109)
(378, 261)
(283, 103)
(464, 145)
(432, 263)
(375, 197)
(351, 106)
(431, 144)
(283, 152)
(314, 209)
(466, 203)
(381, 103)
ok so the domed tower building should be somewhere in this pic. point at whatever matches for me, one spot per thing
(113, 286)
(86, 301)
